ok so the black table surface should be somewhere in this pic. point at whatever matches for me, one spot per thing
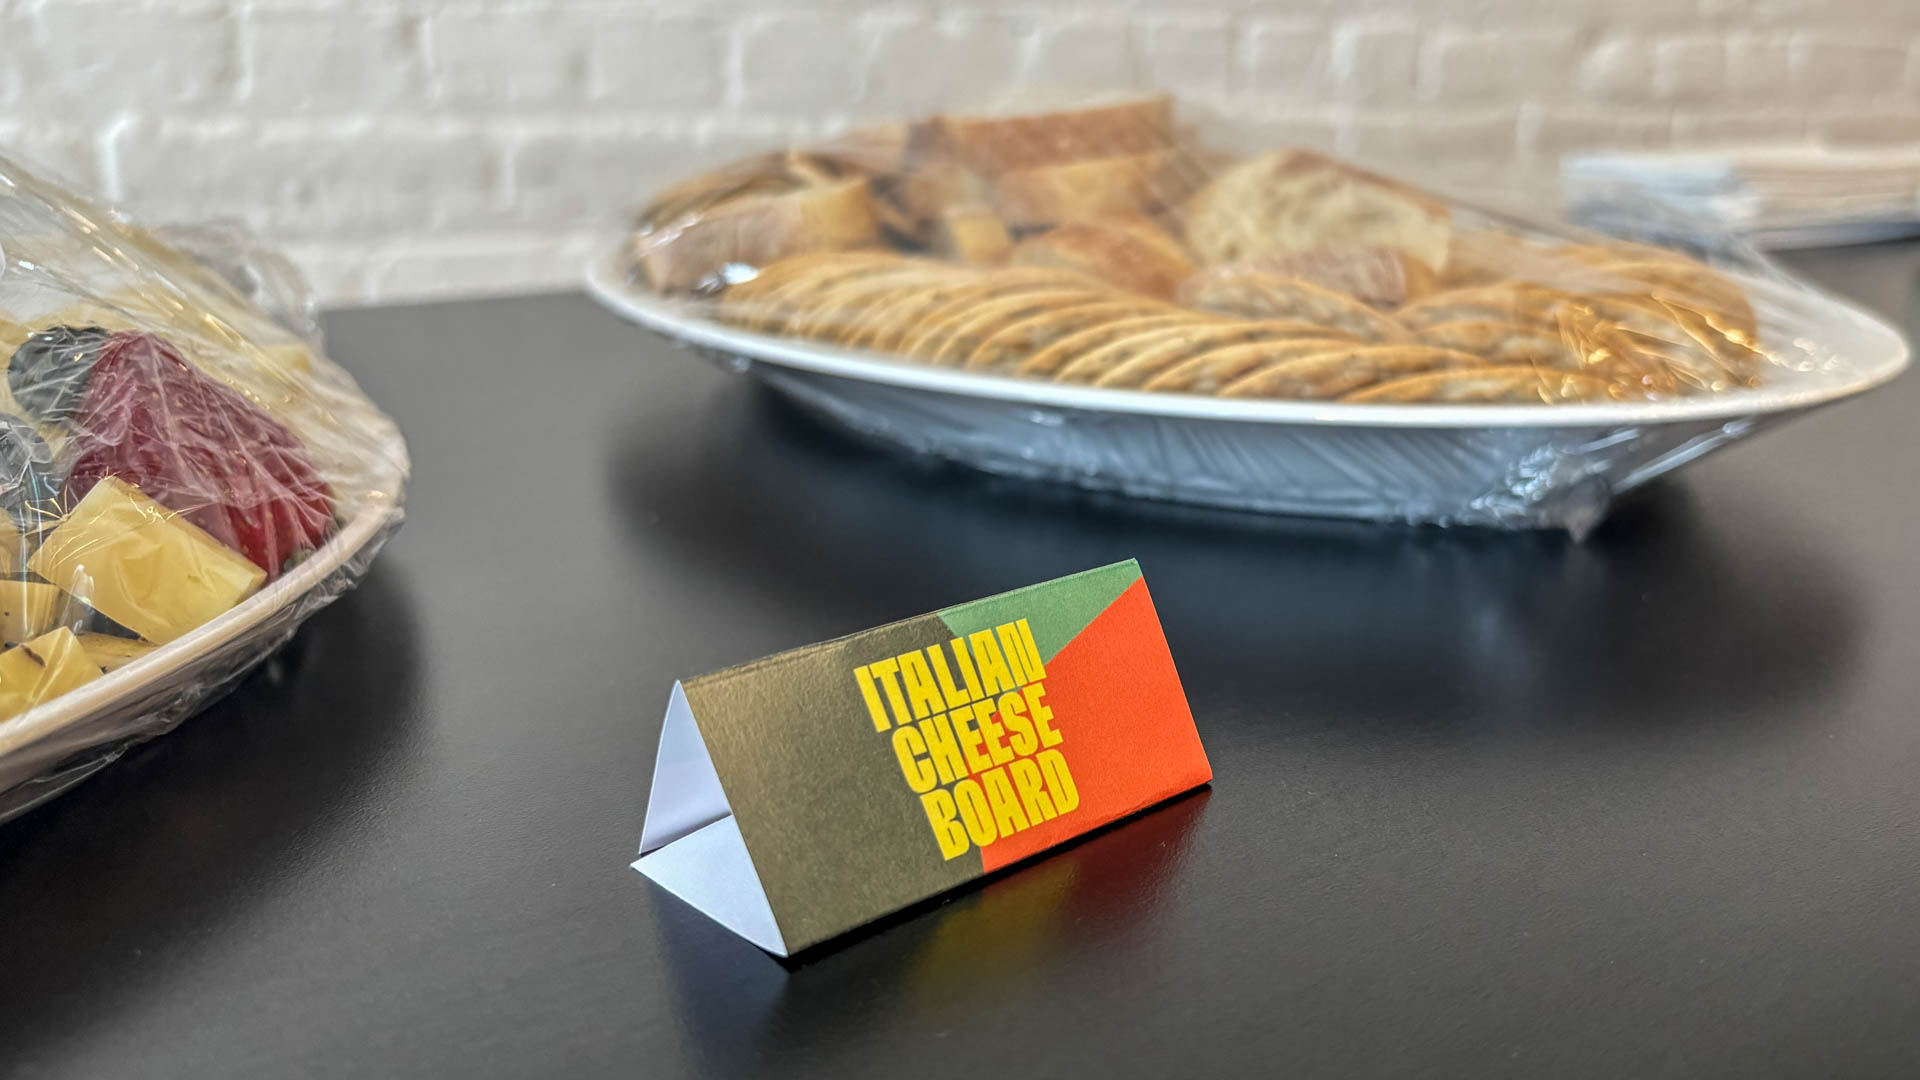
(1484, 804)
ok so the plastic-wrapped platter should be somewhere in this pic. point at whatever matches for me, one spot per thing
(1543, 465)
(1099, 294)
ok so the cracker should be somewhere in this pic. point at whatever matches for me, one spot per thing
(1509, 301)
(971, 323)
(1512, 385)
(1090, 365)
(894, 329)
(1006, 349)
(1065, 351)
(1333, 373)
(1260, 295)
(1149, 362)
(1215, 369)
(1506, 343)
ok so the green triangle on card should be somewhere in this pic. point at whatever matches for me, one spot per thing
(1071, 603)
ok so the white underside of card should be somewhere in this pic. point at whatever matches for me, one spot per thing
(710, 869)
(691, 846)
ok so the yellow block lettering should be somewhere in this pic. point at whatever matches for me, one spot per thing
(943, 675)
(920, 689)
(990, 733)
(1007, 816)
(1035, 669)
(883, 670)
(1013, 716)
(940, 812)
(1041, 715)
(974, 812)
(872, 697)
(1033, 796)
(1059, 781)
(960, 657)
(1015, 651)
(907, 748)
(938, 736)
(970, 739)
(994, 676)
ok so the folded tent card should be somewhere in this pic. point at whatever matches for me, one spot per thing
(800, 796)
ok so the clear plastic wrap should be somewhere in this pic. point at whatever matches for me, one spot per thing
(1279, 330)
(185, 477)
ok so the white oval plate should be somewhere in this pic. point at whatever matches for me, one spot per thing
(1503, 465)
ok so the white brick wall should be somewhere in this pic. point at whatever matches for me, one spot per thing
(408, 148)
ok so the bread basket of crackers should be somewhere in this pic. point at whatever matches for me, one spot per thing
(184, 477)
(1099, 295)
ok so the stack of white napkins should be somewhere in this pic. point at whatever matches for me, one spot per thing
(1774, 196)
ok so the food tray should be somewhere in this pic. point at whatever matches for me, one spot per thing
(1461, 464)
(48, 749)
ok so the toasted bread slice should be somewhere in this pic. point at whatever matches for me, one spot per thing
(1052, 194)
(998, 144)
(971, 234)
(1126, 250)
(1291, 201)
(758, 229)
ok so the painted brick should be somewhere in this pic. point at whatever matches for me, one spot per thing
(1376, 63)
(799, 63)
(494, 57)
(1849, 68)
(1758, 69)
(584, 172)
(1287, 58)
(310, 179)
(1858, 127)
(299, 60)
(146, 56)
(1690, 68)
(1717, 128)
(1192, 56)
(1546, 134)
(658, 62)
(1086, 53)
(921, 63)
(1618, 69)
(1410, 143)
(1506, 65)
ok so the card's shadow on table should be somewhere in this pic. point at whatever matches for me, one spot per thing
(1095, 901)
(1663, 616)
(236, 806)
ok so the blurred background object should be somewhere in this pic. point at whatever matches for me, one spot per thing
(410, 148)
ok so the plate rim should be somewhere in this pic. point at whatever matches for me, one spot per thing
(673, 318)
(100, 696)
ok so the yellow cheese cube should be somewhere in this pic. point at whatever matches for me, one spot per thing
(29, 609)
(112, 653)
(142, 565)
(43, 669)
